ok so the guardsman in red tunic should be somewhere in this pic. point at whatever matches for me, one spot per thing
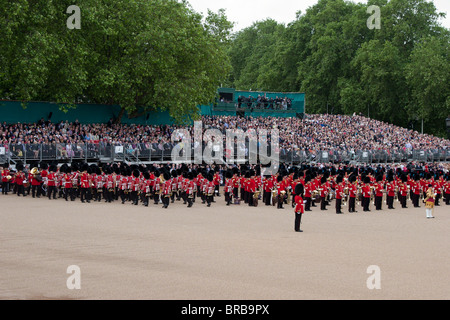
(85, 184)
(323, 193)
(299, 207)
(209, 189)
(228, 188)
(190, 189)
(352, 192)
(267, 186)
(146, 188)
(379, 192)
(20, 178)
(68, 183)
(366, 193)
(403, 190)
(251, 186)
(216, 180)
(52, 182)
(166, 190)
(123, 184)
(36, 181)
(6, 178)
(99, 183)
(44, 174)
(390, 192)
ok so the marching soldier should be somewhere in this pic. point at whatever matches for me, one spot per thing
(379, 192)
(299, 207)
(209, 189)
(366, 193)
(403, 189)
(323, 193)
(52, 182)
(6, 178)
(166, 190)
(190, 189)
(68, 183)
(339, 194)
(352, 192)
(308, 192)
(267, 186)
(228, 188)
(20, 178)
(390, 192)
(85, 184)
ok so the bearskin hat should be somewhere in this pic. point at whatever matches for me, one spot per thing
(298, 189)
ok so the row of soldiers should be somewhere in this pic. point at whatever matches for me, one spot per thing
(245, 184)
(112, 182)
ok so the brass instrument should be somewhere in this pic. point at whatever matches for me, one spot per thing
(35, 171)
(274, 196)
(345, 197)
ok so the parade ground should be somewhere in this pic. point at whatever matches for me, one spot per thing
(219, 253)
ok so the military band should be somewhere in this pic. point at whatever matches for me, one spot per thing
(165, 185)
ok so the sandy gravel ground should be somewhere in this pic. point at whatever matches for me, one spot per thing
(237, 252)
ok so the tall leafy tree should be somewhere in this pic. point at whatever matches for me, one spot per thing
(142, 55)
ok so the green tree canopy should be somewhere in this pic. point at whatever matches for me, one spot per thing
(138, 54)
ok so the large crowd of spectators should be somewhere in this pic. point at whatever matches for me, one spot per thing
(332, 133)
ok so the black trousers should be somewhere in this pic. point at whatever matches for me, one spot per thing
(338, 205)
(5, 187)
(403, 201)
(209, 199)
(228, 198)
(51, 192)
(323, 203)
(447, 198)
(436, 201)
(35, 191)
(235, 192)
(366, 203)
(20, 190)
(280, 201)
(156, 198)
(416, 200)
(390, 202)
(297, 222)
(85, 194)
(166, 201)
(378, 201)
(351, 204)
(308, 204)
(250, 199)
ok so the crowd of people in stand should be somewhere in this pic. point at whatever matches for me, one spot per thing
(332, 133)
(264, 102)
